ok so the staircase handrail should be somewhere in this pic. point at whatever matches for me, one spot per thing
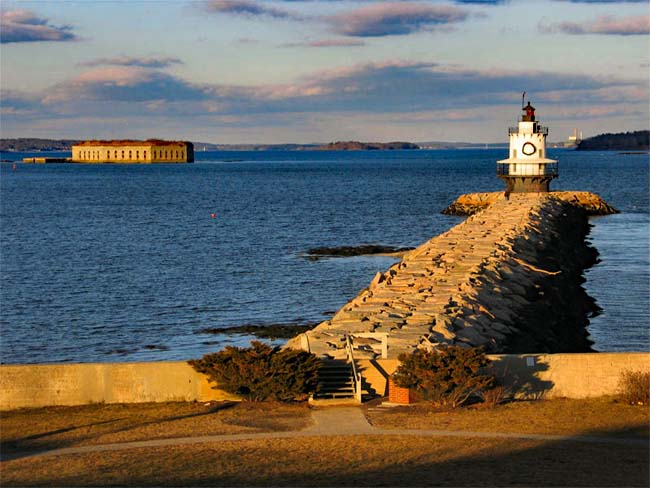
(356, 375)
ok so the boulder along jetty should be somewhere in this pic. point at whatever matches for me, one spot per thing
(508, 278)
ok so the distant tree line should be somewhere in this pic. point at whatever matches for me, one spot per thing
(624, 141)
(32, 144)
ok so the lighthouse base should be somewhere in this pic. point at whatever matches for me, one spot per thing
(527, 184)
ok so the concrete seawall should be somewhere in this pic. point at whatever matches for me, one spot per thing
(38, 385)
(508, 278)
(529, 376)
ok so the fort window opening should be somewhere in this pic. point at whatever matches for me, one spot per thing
(122, 154)
(144, 154)
(108, 155)
(130, 155)
(137, 155)
(115, 154)
(176, 154)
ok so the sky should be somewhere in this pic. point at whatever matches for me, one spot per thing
(291, 71)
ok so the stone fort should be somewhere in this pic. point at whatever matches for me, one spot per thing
(128, 151)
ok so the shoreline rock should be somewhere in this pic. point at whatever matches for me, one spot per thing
(362, 250)
(272, 331)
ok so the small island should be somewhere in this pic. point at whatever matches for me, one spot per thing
(367, 146)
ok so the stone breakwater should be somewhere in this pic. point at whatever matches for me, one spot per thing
(471, 203)
(508, 278)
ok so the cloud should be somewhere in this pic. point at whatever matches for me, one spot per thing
(605, 25)
(326, 43)
(387, 97)
(393, 18)
(483, 2)
(603, 1)
(18, 103)
(144, 62)
(248, 8)
(124, 84)
(26, 26)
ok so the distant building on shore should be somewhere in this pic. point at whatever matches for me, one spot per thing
(149, 151)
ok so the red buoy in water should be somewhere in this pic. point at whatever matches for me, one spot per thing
(213, 216)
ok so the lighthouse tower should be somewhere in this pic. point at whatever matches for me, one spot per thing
(527, 169)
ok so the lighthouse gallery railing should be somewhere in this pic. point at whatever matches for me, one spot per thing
(539, 129)
(528, 169)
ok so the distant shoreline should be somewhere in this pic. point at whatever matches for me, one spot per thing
(64, 145)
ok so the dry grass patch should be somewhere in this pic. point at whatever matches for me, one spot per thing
(599, 416)
(344, 461)
(54, 427)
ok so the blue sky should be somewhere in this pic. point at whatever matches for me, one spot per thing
(236, 71)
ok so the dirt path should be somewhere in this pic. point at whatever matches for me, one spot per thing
(333, 421)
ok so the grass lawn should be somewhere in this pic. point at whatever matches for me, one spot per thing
(344, 461)
(378, 460)
(604, 416)
(55, 427)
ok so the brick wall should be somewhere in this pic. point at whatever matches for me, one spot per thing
(397, 394)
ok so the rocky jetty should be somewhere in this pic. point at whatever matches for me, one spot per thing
(508, 278)
(471, 203)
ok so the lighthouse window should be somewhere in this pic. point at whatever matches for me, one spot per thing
(514, 154)
(541, 153)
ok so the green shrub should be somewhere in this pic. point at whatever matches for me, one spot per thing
(262, 372)
(448, 376)
(635, 387)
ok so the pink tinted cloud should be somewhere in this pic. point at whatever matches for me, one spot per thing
(327, 43)
(248, 8)
(124, 83)
(144, 62)
(26, 26)
(605, 25)
(394, 18)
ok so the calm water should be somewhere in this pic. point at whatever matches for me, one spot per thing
(125, 262)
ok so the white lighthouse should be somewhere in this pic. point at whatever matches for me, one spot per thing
(527, 169)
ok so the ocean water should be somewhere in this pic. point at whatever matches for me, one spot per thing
(103, 263)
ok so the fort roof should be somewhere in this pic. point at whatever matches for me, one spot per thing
(127, 142)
